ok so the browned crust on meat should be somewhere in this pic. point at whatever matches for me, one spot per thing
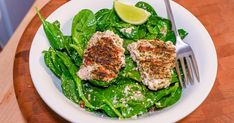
(159, 67)
(155, 59)
(103, 57)
(104, 52)
(101, 73)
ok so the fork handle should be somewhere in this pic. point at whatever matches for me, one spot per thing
(171, 17)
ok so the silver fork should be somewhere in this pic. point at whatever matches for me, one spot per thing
(184, 55)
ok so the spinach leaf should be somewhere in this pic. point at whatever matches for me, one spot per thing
(105, 19)
(165, 92)
(125, 96)
(83, 27)
(96, 97)
(72, 53)
(170, 36)
(142, 31)
(146, 7)
(77, 60)
(159, 27)
(116, 31)
(153, 29)
(108, 20)
(69, 87)
(182, 33)
(101, 83)
(128, 30)
(126, 42)
(173, 97)
(72, 70)
(130, 70)
(56, 65)
(56, 23)
(67, 41)
(49, 62)
(53, 33)
(150, 36)
(174, 78)
(102, 17)
(129, 97)
(55, 59)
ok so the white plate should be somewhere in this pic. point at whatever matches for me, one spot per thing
(48, 86)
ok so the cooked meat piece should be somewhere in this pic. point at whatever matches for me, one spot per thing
(103, 57)
(155, 60)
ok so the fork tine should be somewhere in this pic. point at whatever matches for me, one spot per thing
(184, 70)
(190, 73)
(179, 75)
(195, 67)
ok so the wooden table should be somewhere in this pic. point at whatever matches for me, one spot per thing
(216, 15)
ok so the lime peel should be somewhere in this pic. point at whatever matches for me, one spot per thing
(131, 14)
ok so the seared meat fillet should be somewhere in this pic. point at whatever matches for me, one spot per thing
(103, 57)
(155, 60)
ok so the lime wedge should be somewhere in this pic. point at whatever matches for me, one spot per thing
(131, 14)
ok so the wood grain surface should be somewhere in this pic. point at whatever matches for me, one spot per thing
(9, 108)
(216, 16)
(32, 106)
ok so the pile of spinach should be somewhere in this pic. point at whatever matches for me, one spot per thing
(126, 96)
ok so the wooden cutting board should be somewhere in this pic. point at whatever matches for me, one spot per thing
(31, 104)
(216, 16)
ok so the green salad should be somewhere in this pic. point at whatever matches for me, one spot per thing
(115, 99)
